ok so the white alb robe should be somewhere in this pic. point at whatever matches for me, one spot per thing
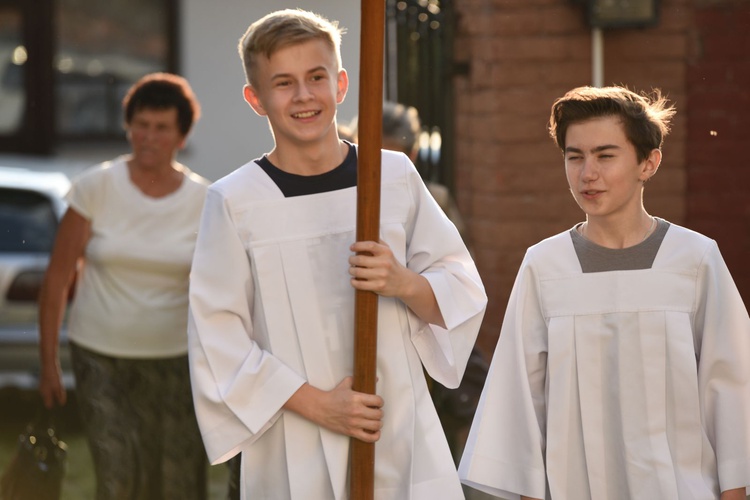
(271, 307)
(619, 384)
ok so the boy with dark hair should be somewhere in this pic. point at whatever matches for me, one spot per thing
(272, 294)
(625, 345)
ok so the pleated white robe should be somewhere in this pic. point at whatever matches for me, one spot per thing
(271, 307)
(619, 384)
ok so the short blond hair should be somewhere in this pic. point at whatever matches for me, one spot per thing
(284, 28)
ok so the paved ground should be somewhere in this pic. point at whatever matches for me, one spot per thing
(18, 407)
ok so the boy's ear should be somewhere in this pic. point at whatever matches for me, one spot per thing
(252, 98)
(650, 165)
(342, 86)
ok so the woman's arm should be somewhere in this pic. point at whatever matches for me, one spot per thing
(70, 243)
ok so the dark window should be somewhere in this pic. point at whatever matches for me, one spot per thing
(27, 222)
(66, 64)
(13, 57)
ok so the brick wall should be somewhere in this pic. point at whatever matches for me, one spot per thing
(718, 169)
(510, 181)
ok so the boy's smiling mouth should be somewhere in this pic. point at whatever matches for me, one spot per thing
(306, 114)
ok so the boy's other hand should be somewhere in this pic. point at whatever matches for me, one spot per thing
(341, 410)
(736, 494)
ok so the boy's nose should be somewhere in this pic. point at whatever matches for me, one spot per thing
(590, 169)
(303, 92)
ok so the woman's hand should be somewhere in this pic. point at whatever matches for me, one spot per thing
(51, 387)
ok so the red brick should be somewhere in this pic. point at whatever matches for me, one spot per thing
(522, 129)
(536, 154)
(484, 102)
(482, 127)
(645, 74)
(632, 45)
(671, 208)
(708, 74)
(528, 101)
(524, 206)
(563, 18)
(526, 4)
(477, 25)
(710, 206)
(516, 22)
(548, 48)
(508, 128)
(669, 179)
(673, 156)
(516, 74)
(722, 19)
(566, 74)
(713, 178)
(675, 18)
(515, 234)
(482, 48)
(496, 262)
(726, 46)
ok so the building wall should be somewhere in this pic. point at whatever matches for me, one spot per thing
(718, 173)
(522, 55)
(229, 133)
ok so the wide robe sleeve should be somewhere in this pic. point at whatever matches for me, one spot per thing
(722, 331)
(435, 250)
(238, 387)
(504, 453)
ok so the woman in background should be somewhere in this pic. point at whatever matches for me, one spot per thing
(129, 234)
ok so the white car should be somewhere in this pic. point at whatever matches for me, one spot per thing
(31, 205)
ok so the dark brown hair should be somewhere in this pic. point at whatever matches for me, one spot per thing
(163, 91)
(645, 118)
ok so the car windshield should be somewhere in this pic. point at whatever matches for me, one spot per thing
(27, 222)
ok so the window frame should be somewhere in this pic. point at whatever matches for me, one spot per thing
(37, 132)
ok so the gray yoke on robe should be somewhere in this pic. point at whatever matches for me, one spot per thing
(618, 384)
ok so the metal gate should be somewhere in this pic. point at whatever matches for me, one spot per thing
(419, 62)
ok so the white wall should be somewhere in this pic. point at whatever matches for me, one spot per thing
(230, 133)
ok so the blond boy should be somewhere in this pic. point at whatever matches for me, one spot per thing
(272, 288)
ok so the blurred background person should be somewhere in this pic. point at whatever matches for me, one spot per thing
(127, 242)
(401, 130)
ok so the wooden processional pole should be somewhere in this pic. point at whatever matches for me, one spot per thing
(370, 131)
